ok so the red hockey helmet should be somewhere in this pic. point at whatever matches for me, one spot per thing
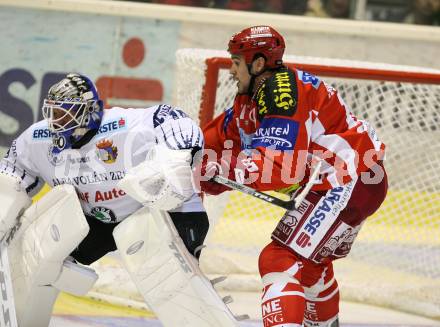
(258, 40)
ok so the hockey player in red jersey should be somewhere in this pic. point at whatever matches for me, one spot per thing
(284, 124)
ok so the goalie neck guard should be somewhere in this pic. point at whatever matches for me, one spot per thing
(73, 111)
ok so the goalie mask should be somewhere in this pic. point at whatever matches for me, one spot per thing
(73, 111)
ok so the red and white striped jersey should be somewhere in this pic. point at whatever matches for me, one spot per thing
(293, 120)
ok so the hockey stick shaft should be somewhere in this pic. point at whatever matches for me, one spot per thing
(289, 205)
(312, 180)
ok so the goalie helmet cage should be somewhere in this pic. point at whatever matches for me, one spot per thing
(395, 261)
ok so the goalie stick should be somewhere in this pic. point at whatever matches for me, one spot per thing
(289, 205)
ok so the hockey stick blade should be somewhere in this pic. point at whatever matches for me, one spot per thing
(288, 205)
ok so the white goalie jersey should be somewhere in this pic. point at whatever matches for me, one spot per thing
(123, 141)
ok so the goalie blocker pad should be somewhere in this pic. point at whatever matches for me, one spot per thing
(50, 229)
(167, 276)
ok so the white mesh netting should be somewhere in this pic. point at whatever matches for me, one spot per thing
(395, 262)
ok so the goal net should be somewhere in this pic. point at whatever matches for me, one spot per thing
(395, 261)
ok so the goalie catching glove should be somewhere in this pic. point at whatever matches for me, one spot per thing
(163, 181)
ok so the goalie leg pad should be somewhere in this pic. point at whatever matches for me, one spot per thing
(52, 228)
(7, 308)
(13, 199)
(167, 276)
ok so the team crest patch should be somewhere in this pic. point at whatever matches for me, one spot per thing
(106, 151)
(104, 214)
(55, 159)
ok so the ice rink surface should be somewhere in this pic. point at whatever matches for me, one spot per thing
(81, 312)
(82, 321)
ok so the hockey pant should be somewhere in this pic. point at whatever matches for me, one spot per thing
(296, 268)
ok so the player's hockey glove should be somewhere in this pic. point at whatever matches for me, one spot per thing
(232, 169)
